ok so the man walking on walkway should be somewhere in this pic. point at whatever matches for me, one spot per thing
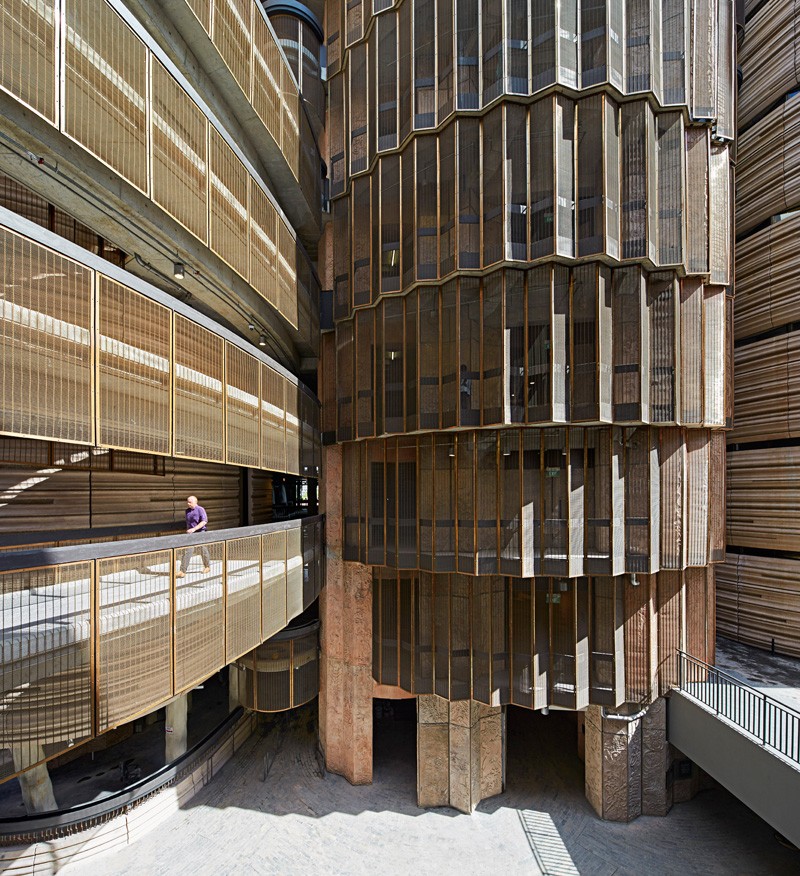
(196, 521)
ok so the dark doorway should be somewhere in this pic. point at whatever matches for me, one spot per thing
(394, 743)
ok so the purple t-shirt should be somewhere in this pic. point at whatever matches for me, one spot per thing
(195, 515)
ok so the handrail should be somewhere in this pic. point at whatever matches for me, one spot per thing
(51, 556)
(774, 724)
(61, 820)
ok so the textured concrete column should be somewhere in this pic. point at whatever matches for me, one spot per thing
(627, 764)
(35, 783)
(345, 701)
(176, 727)
(459, 752)
(233, 687)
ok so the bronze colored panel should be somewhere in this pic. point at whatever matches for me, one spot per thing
(264, 246)
(134, 370)
(134, 639)
(229, 205)
(46, 680)
(273, 594)
(243, 604)
(180, 159)
(28, 59)
(106, 88)
(231, 34)
(242, 409)
(294, 572)
(199, 401)
(273, 419)
(199, 616)
(45, 343)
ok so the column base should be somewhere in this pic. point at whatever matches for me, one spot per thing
(460, 752)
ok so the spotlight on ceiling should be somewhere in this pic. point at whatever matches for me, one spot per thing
(262, 340)
(178, 270)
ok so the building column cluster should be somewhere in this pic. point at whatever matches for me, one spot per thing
(460, 752)
(627, 763)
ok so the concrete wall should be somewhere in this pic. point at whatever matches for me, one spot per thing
(769, 785)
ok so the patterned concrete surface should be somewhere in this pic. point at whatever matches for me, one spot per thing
(271, 811)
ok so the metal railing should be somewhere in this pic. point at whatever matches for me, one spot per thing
(772, 723)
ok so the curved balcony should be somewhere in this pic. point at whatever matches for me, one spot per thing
(92, 355)
(433, 58)
(531, 502)
(97, 635)
(551, 344)
(122, 100)
(283, 672)
(537, 643)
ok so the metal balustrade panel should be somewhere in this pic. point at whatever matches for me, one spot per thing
(199, 617)
(46, 669)
(134, 636)
(243, 401)
(243, 567)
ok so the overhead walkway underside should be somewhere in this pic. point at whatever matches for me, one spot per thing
(744, 738)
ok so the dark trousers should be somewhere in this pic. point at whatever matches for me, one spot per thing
(190, 552)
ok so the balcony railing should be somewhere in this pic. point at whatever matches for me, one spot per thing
(96, 635)
(772, 723)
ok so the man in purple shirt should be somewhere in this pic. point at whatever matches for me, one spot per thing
(196, 521)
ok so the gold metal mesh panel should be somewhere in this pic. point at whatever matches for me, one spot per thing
(28, 53)
(134, 370)
(106, 88)
(287, 273)
(232, 37)
(45, 672)
(198, 392)
(243, 608)
(180, 161)
(263, 246)
(134, 644)
(273, 593)
(202, 9)
(242, 375)
(273, 426)
(199, 619)
(294, 573)
(292, 429)
(266, 78)
(229, 217)
(45, 335)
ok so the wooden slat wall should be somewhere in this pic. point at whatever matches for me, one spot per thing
(758, 601)
(768, 166)
(43, 497)
(769, 56)
(764, 498)
(758, 594)
(767, 390)
(768, 278)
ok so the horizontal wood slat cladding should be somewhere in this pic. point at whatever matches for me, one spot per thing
(88, 646)
(80, 499)
(764, 498)
(768, 278)
(767, 390)
(769, 56)
(768, 166)
(161, 375)
(758, 601)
